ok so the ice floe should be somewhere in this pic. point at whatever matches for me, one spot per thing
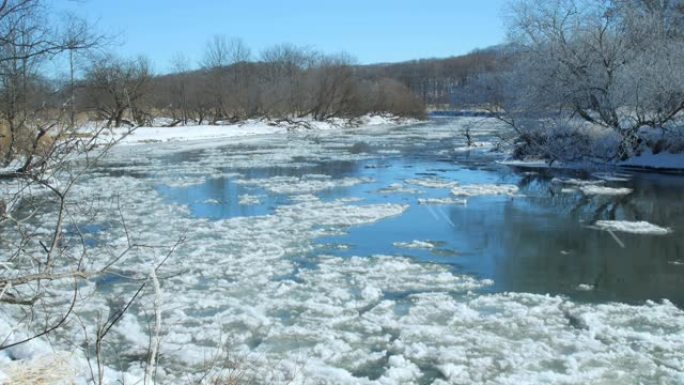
(436, 183)
(584, 287)
(576, 182)
(247, 199)
(635, 227)
(441, 201)
(415, 245)
(485, 189)
(398, 188)
(603, 190)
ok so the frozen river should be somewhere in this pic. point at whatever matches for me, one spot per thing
(391, 257)
(539, 240)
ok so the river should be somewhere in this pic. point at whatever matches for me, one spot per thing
(343, 257)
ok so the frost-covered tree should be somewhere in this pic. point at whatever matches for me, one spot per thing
(614, 64)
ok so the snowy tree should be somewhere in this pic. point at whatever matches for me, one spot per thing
(613, 64)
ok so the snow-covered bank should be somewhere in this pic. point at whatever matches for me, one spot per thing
(248, 128)
(663, 162)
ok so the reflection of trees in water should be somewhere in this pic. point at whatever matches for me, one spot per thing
(547, 245)
(656, 200)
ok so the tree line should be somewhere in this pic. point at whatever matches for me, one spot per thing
(438, 82)
(282, 82)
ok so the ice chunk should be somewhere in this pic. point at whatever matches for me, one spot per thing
(211, 201)
(485, 189)
(432, 183)
(576, 182)
(603, 190)
(635, 227)
(414, 245)
(398, 188)
(441, 201)
(247, 199)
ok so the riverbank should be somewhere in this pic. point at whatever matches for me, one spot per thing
(160, 133)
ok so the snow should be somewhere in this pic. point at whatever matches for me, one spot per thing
(635, 227)
(532, 163)
(476, 146)
(248, 128)
(647, 160)
(603, 190)
(485, 189)
(663, 160)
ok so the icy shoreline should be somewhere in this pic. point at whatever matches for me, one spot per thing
(247, 128)
(665, 163)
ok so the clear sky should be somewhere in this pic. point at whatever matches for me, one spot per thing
(372, 31)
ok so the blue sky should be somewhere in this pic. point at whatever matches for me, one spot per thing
(372, 31)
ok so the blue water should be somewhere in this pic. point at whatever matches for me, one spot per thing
(539, 242)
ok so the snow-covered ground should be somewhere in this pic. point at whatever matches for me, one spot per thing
(251, 127)
(240, 292)
(648, 161)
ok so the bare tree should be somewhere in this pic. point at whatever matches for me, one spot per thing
(117, 86)
(43, 267)
(284, 79)
(223, 62)
(178, 90)
(27, 41)
(332, 87)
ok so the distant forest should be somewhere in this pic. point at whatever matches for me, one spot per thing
(285, 82)
(438, 83)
